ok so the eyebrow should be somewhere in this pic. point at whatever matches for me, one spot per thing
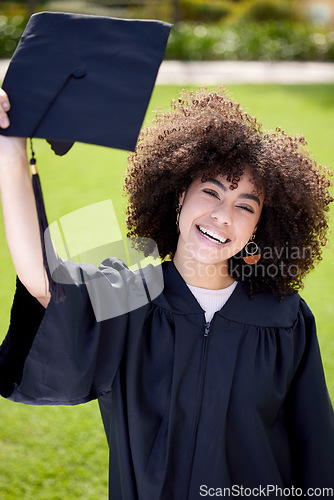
(247, 196)
(250, 196)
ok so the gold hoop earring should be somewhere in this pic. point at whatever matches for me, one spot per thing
(252, 250)
(178, 210)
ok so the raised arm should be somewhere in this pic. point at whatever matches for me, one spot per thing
(19, 211)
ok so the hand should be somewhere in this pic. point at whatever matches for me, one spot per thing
(12, 149)
(4, 108)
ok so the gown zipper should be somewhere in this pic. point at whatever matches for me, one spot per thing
(198, 408)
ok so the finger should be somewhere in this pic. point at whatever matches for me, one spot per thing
(4, 101)
(4, 107)
(4, 120)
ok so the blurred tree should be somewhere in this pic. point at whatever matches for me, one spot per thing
(176, 11)
(31, 6)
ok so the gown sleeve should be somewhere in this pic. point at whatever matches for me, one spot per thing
(312, 418)
(67, 353)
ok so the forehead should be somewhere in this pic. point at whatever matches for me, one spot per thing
(244, 183)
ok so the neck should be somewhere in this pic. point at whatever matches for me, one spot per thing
(209, 276)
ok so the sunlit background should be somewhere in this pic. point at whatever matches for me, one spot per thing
(50, 453)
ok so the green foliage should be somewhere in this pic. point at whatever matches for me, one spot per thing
(248, 30)
(266, 41)
(11, 29)
(209, 11)
(265, 10)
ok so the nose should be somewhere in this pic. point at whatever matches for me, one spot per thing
(222, 215)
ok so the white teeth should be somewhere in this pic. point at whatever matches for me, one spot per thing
(211, 236)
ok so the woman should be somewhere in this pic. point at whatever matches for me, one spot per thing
(215, 386)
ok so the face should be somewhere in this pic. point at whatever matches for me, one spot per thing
(216, 222)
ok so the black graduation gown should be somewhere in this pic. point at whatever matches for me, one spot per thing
(185, 407)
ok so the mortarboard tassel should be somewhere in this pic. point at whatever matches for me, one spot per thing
(56, 289)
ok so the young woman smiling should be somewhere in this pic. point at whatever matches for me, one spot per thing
(215, 224)
(215, 382)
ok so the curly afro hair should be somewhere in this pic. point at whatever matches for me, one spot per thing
(206, 134)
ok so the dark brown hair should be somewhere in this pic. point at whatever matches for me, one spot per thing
(206, 134)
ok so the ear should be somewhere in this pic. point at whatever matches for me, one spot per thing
(181, 197)
(257, 225)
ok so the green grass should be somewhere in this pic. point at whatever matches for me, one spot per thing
(61, 453)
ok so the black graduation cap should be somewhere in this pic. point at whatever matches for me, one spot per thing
(83, 78)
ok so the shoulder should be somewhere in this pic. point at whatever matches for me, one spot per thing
(114, 270)
(112, 288)
(264, 309)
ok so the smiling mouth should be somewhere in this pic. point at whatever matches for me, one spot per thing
(212, 236)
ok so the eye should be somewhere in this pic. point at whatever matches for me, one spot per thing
(211, 192)
(248, 208)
